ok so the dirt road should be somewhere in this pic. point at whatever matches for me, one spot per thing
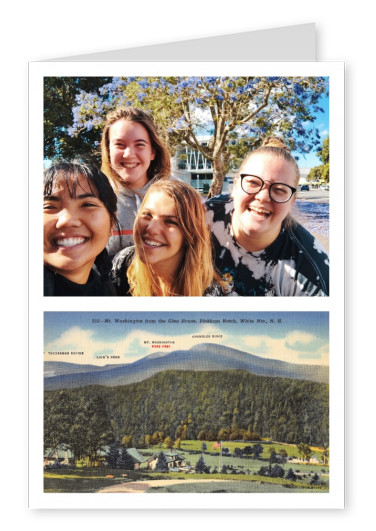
(142, 486)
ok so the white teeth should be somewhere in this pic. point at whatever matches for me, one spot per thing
(130, 165)
(260, 211)
(153, 244)
(69, 242)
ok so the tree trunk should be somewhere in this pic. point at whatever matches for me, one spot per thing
(220, 167)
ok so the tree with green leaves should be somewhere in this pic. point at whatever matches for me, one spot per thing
(77, 435)
(157, 438)
(321, 173)
(257, 450)
(263, 471)
(325, 454)
(59, 413)
(305, 451)
(125, 460)
(161, 465)
(272, 453)
(96, 426)
(201, 435)
(127, 441)
(182, 430)
(234, 112)
(272, 458)
(323, 152)
(315, 480)
(248, 450)
(201, 467)
(277, 472)
(168, 443)
(59, 97)
(315, 174)
(284, 455)
(113, 455)
(224, 434)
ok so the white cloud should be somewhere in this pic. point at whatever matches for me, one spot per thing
(295, 347)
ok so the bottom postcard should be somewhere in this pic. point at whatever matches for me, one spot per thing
(189, 403)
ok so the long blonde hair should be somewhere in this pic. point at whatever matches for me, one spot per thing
(159, 168)
(196, 272)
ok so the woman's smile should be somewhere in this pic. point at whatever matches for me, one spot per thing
(131, 152)
(152, 243)
(76, 230)
(259, 212)
(257, 219)
(160, 241)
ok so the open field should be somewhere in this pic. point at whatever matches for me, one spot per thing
(290, 449)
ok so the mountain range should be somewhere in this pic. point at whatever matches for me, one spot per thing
(202, 357)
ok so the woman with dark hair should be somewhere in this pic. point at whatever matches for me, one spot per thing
(133, 157)
(172, 253)
(79, 214)
(259, 247)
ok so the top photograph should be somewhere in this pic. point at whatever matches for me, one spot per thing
(186, 186)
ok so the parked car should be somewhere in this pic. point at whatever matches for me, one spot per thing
(304, 188)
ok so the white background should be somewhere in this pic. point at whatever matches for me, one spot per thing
(44, 29)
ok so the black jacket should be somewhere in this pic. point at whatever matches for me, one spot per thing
(96, 286)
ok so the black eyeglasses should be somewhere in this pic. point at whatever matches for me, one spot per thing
(278, 192)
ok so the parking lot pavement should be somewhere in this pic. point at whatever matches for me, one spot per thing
(317, 196)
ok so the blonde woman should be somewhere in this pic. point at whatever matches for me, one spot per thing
(134, 156)
(172, 255)
(259, 248)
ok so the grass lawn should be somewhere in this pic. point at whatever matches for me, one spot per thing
(248, 465)
(290, 449)
(226, 487)
(84, 479)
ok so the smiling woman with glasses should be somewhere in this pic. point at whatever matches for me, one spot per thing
(259, 248)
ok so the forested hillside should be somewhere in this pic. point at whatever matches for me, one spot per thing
(192, 404)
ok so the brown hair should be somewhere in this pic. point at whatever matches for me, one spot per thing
(275, 147)
(159, 167)
(196, 272)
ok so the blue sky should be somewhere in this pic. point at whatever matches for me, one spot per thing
(95, 337)
(311, 160)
